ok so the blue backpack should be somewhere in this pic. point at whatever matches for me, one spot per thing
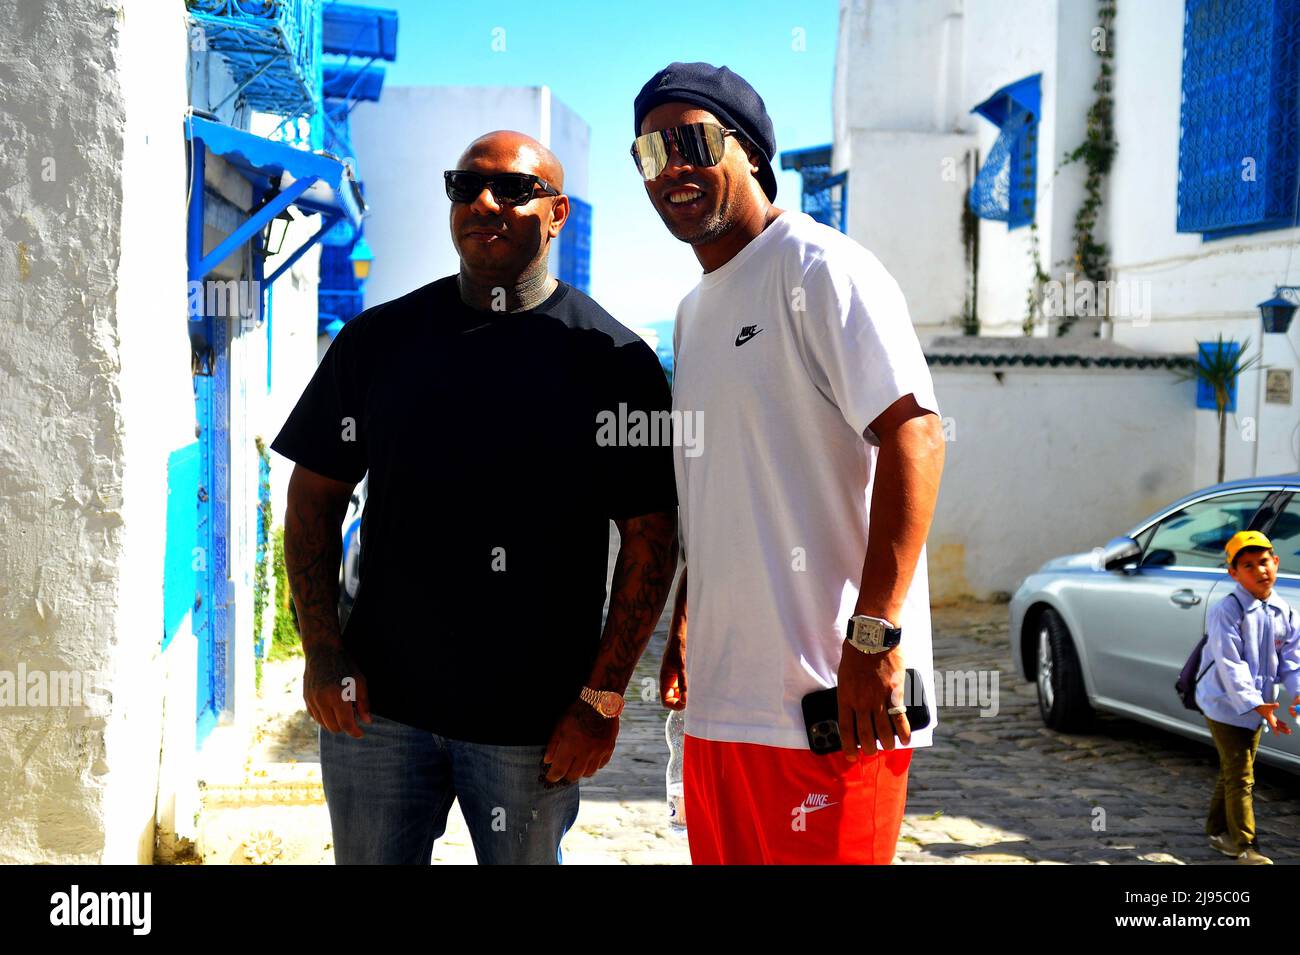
(1188, 677)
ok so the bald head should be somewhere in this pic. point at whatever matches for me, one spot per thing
(505, 150)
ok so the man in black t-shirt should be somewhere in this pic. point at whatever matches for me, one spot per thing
(474, 665)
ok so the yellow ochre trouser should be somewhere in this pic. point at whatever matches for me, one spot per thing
(1231, 808)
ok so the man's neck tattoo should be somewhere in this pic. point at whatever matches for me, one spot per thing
(525, 292)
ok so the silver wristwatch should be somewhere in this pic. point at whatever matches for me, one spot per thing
(873, 634)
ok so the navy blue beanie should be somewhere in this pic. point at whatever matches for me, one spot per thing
(724, 94)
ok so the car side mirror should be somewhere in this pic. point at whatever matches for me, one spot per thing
(1119, 552)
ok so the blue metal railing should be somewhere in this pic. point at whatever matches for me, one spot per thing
(272, 48)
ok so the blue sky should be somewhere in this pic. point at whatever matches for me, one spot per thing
(595, 56)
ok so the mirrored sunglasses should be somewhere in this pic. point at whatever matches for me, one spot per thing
(700, 144)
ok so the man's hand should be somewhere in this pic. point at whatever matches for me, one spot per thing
(1266, 710)
(869, 684)
(672, 672)
(332, 685)
(582, 743)
(672, 675)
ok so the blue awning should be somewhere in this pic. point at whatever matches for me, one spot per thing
(343, 81)
(333, 191)
(354, 30)
(1022, 96)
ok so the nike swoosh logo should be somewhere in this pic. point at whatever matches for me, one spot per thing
(808, 809)
(745, 335)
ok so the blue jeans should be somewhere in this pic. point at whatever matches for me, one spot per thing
(390, 791)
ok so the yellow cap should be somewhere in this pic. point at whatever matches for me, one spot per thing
(1245, 539)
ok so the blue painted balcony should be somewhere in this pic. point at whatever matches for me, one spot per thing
(272, 48)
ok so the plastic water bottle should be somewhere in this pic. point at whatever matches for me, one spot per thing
(675, 731)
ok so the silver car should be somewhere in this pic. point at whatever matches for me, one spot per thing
(1111, 629)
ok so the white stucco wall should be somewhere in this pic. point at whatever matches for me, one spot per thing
(94, 393)
(406, 140)
(1197, 289)
(1049, 461)
(890, 86)
(901, 132)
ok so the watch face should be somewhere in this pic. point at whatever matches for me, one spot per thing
(868, 634)
(611, 704)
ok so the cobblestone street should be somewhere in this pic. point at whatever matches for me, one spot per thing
(1000, 789)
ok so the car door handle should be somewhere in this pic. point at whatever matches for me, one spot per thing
(1184, 598)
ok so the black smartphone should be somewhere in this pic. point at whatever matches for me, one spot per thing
(821, 714)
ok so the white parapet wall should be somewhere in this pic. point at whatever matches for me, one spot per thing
(1048, 460)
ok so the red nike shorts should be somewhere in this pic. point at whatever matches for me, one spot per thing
(748, 804)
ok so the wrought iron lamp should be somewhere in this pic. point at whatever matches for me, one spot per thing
(276, 230)
(1278, 310)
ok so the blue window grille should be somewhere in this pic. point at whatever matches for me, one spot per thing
(1005, 187)
(1238, 150)
(1204, 393)
(825, 197)
(575, 246)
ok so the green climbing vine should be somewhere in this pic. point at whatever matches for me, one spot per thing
(1034, 298)
(284, 638)
(1097, 152)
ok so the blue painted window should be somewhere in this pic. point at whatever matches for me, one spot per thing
(1204, 393)
(1005, 187)
(575, 246)
(1238, 149)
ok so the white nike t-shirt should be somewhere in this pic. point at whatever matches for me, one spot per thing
(783, 357)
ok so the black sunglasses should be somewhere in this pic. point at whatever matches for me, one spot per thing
(513, 188)
(700, 144)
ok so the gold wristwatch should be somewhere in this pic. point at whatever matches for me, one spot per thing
(605, 702)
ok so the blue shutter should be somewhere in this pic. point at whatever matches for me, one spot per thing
(1238, 155)
(1005, 189)
(1204, 393)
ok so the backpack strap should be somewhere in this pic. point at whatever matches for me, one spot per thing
(1233, 595)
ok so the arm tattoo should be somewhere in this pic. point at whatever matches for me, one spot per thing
(643, 575)
(313, 548)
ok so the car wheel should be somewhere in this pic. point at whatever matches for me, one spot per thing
(1062, 700)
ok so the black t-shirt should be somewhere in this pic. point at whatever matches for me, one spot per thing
(486, 528)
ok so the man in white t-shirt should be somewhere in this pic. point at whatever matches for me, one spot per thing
(805, 498)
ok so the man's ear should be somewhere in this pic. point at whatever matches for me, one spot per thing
(559, 215)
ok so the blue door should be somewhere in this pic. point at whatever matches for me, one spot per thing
(212, 610)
